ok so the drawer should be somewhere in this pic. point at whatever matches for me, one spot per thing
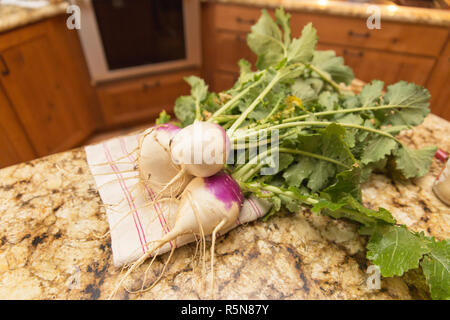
(390, 67)
(223, 80)
(232, 47)
(142, 99)
(235, 18)
(438, 84)
(394, 37)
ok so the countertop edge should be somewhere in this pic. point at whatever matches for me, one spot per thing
(25, 16)
(431, 17)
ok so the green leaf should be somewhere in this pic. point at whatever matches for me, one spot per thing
(436, 268)
(199, 89)
(406, 94)
(330, 143)
(285, 159)
(334, 66)
(377, 148)
(265, 41)
(328, 100)
(395, 250)
(371, 93)
(246, 74)
(349, 208)
(367, 169)
(346, 193)
(351, 102)
(350, 134)
(320, 176)
(283, 19)
(303, 89)
(334, 146)
(347, 183)
(185, 110)
(299, 171)
(414, 163)
(163, 117)
(302, 49)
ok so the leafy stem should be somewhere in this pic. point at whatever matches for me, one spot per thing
(257, 130)
(313, 155)
(251, 167)
(342, 111)
(342, 212)
(255, 102)
(325, 77)
(230, 103)
(198, 113)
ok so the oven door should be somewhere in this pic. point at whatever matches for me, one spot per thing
(124, 38)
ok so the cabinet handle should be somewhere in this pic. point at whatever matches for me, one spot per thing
(5, 70)
(240, 39)
(353, 53)
(351, 33)
(146, 86)
(245, 21)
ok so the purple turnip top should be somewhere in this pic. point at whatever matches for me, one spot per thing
(225, 189)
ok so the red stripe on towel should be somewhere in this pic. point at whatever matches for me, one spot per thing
(164, 225)
(126, 193)
(256, 207)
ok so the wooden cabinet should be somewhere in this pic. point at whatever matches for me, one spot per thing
(439, 84)
(45, 86)
(224, 80)
(233, 47)
(14, 143)
(397, 51)
(141, 99)
(390, 67)
(392, 37)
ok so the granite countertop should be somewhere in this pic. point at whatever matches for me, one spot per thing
(435, 17)
(12, 16)
(51, 217)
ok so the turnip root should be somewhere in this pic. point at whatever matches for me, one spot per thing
(207, 206)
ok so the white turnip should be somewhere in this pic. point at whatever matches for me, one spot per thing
(201, 149)
(207, 206)
(154, 161)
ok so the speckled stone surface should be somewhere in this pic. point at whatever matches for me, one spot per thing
(51, 217)
(358, 10)
(14, 16)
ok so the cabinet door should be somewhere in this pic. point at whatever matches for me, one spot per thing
(389, 67)
(439, 85)
(39, 86)
(138, 100)
(14, 144)
(232, 46)
(223, 80)
(393, 36)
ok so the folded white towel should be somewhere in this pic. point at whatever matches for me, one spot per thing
(133, 222)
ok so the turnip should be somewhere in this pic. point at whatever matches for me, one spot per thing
(154, 161)
(201, 148)
(207, 206)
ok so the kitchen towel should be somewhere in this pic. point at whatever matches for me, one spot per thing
(133, 220)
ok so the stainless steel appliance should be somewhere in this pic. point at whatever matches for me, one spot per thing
(123, 38)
